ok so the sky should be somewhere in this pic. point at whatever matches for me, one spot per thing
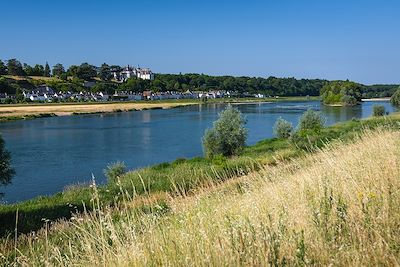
(357, 40)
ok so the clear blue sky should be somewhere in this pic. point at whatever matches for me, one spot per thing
(337, 39)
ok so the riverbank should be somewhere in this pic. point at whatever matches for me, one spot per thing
(31, 111)
(288, 212)
(180, 176)
(10, 112)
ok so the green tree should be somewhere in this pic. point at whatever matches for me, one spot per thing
(28, 69)
(105, 72)
(19, 97)
(6, 170)
(6, 87)
(341, 92)
(283, 129)
(14, 67)
(72, 70)
(395, 99)
(58, 70)
(311, 120)
(86, 72)
(38, 70)
(378, 110)
(47, 72)
(228, 135)
(3, 68)
(307, 135)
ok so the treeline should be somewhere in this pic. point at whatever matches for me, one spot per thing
(379, 90)
(72, 78)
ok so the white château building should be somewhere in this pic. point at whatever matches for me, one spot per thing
(129, 72)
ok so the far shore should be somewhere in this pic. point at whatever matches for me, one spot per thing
(15, 112)
(383, 99)
(11, 112)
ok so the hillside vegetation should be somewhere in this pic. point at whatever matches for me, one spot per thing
(340, 206)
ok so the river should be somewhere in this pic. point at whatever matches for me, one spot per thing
(49, 154)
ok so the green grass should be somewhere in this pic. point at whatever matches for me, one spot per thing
(180, 176)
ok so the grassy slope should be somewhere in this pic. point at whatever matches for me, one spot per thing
(181, 176)
(339, 206)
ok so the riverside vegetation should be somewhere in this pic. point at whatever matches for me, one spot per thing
(16, 76)
(322, 196)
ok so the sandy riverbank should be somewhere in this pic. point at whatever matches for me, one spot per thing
(15, 111)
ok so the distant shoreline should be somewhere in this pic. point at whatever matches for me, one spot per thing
(382, 99)
(12, 112)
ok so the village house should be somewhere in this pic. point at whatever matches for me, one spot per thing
(127, 96)
(41, 93)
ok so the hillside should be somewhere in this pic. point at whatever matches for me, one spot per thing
(339, 206)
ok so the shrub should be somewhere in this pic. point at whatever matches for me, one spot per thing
(283, 129)
(378, 110)
(6, 169)
(228, 135)
(115, 170)
(395, 99)
(311, 120)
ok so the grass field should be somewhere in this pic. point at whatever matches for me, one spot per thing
(339, 206)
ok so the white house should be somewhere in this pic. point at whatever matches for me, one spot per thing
(144, 74)
(130, 72)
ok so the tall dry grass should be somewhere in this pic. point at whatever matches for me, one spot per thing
(339, 207)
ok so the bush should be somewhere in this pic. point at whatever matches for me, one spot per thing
(378, 110)
(395, 99)
(311, 120)
(307, 136)
(283, 129)
(228, 136)
(115, 170)
(305, 139)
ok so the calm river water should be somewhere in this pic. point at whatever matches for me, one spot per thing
(51, 153)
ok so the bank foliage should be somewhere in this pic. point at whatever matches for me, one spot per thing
(228, 135)
(6, 169)
(283, 129)
(395, 99)
(342, 93)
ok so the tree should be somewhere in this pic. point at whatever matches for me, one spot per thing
(38, 70)
(86, 72)
(3, 68)
(341, 92)
(378, 110)
(228, 135)
(105, 72)
(72, 70)
(283, 129)
(14, 67)
(18, 95)
(58, 70)
(6, 170)
(28, 69)
(395, 99)
(6, 87)
(311, 120)
(47, 70)
(307, 136)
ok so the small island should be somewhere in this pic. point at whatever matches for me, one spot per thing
(341, 93)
